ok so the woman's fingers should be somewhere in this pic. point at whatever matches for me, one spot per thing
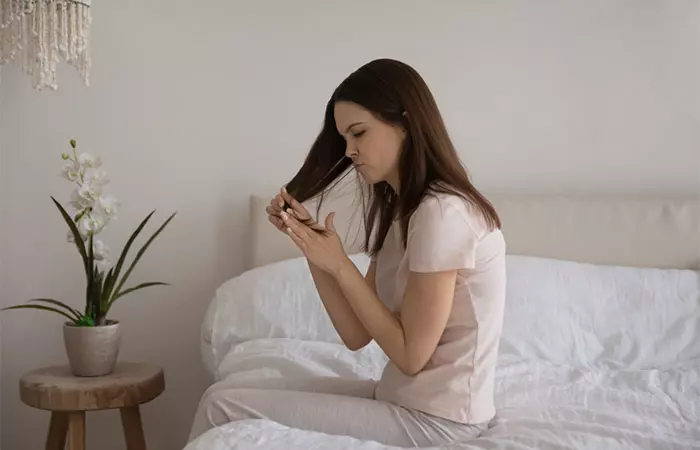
(297, 207)
(295, 227)
(294, 211)
(272, 211)
(276, 204)
(277, 222)
(297, 240)
(280, 201)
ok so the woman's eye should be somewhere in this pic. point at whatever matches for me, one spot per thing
(359, 133)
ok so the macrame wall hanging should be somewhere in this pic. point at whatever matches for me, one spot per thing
(36, 34)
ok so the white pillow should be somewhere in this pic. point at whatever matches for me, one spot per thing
(278, 300)
(565, 312)
(590, 315)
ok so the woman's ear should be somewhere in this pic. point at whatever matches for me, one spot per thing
(404, 128)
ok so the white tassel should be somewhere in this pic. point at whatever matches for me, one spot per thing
(38, 33)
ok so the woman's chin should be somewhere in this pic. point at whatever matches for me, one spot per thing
(368, 177)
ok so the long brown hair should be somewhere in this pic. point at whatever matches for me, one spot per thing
(395, 93)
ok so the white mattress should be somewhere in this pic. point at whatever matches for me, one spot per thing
(541, 405)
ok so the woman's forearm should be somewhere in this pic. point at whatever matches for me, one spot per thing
(343, 318)
(377, 319)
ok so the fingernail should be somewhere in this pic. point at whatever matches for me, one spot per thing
(284, 215)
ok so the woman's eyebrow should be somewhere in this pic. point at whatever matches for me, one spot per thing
(352, 125)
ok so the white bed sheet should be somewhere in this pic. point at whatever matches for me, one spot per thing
(591, 357)
(541, 405)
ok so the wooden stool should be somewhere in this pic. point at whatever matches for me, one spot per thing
(68, 397)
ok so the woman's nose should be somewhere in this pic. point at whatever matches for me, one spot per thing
(350, 151)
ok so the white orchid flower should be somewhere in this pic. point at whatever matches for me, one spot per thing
(84, 225)
(100, 250)
(71, 171)
(101, 253)
(79, 203)
(107, 206)
(85, 196)
(96, 178)
(93, 209)
(91, 223)
(89, 161)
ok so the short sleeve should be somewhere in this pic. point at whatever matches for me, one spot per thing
(440, 237)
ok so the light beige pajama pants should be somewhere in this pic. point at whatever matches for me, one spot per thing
(327, 405)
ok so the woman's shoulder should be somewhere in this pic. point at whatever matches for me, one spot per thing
(452, 207)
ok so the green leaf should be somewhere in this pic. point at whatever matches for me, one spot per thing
(139, 255)
(96, 295)
(44, 308)
(73, 311)
(92, 310)
(76, 235)
(85, 321)
(108, 283)
(135, 288)
(125, 251)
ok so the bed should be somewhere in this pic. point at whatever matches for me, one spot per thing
(601, 340)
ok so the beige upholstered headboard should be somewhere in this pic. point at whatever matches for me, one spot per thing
(642, 232)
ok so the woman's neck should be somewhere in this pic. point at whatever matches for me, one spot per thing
(393, 180)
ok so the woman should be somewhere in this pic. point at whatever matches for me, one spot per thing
(434, 292)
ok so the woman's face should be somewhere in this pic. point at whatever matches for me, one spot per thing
(373, 145)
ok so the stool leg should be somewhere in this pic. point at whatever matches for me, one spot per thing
(76, 430)
(133, 431)
(58, 427)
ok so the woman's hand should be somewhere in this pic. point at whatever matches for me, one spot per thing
(274, 211)
(321, 245)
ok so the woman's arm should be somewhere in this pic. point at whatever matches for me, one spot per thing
(342, 315)
(411, 338)
(343, 318)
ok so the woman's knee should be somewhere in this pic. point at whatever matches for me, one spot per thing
(214, 408)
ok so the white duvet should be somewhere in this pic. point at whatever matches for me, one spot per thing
(592, 357)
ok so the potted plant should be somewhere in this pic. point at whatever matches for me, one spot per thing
(91, 339)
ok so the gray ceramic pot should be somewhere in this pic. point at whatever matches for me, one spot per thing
(92, 351)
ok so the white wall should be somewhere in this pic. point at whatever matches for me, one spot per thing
(2, 260)
(194, 105)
